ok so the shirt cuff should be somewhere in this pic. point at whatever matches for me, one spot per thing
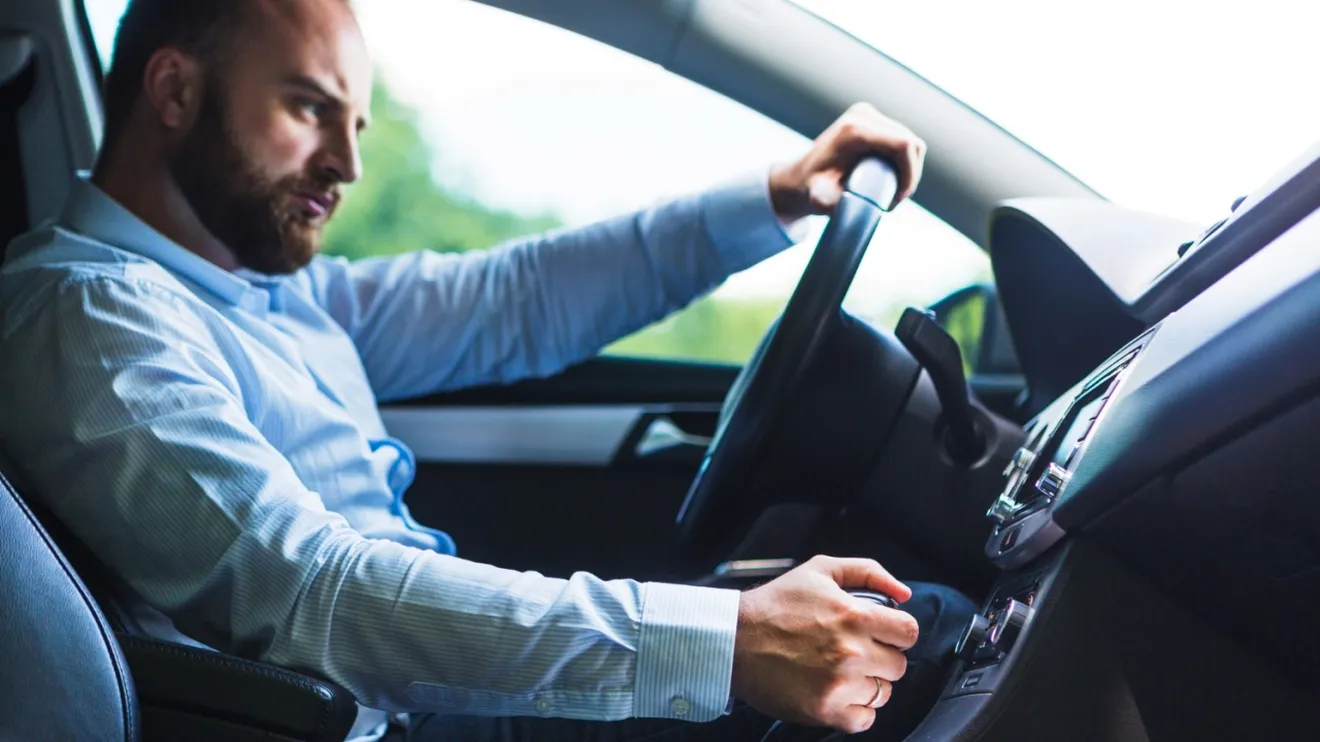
(685, 652)
(742, 222)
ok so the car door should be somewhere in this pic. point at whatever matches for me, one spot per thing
(489, 125)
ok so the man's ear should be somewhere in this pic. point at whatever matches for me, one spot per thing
(172, 84)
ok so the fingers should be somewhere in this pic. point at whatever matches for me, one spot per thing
(876, 692)
(863, 129)
(855, 719)
(895, 628)
(852, 706)
(851, 573)
(824, 190)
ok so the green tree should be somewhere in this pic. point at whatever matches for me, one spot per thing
(398, 207)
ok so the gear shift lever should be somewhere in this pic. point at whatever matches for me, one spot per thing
(937, 352)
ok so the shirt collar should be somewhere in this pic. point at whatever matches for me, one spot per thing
(91, 212)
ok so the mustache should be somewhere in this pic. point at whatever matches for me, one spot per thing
(327, 188)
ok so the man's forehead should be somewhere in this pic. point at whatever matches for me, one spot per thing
(319, 39)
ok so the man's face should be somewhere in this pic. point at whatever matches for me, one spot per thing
(276, 133)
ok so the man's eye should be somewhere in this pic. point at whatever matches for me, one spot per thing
(311, 108)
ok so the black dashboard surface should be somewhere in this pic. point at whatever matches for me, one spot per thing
(1202, 470)
(1079, 277)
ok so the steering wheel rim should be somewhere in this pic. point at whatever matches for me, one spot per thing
(722, 490)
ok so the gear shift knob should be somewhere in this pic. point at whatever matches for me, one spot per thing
(874, 597)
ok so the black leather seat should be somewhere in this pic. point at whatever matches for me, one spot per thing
(68, 669)
(62, 675)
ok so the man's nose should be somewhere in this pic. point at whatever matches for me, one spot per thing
(342, 155)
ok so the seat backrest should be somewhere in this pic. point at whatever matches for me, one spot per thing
(61, 672)
(62, 675)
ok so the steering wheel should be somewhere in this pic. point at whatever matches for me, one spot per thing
(724, 491)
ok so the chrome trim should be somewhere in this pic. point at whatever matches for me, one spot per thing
(754, 567)
(663, 434)
(586, 435)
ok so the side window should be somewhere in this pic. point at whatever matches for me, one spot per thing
(489, 126)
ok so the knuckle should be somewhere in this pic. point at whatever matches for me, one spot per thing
(853, 723)
(912, 629)
(899, 668)
(841, 651)
(853, 616)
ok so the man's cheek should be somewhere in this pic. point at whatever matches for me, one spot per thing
(280, 153)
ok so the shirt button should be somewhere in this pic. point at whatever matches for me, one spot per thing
(543, 705)
(680, 706)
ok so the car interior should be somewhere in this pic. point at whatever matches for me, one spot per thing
(1122, 476)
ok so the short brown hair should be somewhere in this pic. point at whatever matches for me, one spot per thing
(203, 28)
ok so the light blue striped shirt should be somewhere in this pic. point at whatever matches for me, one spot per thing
(213, 437)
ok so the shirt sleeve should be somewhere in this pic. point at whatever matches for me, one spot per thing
(137, 432)
(427, 321)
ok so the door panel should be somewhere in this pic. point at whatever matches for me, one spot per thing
(613, 521)
(581, 471)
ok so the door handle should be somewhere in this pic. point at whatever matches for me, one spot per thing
(663, 434)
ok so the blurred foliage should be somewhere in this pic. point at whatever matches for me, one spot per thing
(965, 322)
(711, 329)
(398, 207)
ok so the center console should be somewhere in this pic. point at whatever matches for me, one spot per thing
(1041, 470)
(1106, 621)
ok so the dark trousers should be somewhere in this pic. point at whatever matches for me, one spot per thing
(941, 612)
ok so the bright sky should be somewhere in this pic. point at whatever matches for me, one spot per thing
(1133, 97)
(1172, 106)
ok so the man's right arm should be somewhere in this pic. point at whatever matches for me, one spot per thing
(125, 415)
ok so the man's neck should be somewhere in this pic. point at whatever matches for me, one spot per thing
(151, 195)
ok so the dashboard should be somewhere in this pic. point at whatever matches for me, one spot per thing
(1188, 453)
(1176, 477)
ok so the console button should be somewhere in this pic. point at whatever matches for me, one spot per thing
(1053, 481)
(1021, 461)
(1016, 471)
(1008, 625)
(1004, 507)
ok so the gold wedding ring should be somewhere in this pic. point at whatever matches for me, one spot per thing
(879, 692)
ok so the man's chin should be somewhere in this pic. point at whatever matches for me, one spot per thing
(291, 259)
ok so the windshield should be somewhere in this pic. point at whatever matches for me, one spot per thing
(1170, 106)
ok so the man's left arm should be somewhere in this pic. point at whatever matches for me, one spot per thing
(429, 321)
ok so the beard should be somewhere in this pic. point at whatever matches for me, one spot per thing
(257, 218)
